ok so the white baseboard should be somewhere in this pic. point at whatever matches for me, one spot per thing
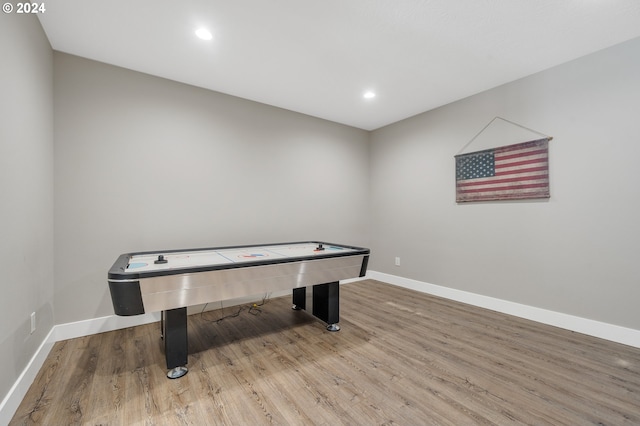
(12, 400)
(71, 330)
(614, 333)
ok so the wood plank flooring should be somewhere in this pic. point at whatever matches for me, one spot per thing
(401, 357)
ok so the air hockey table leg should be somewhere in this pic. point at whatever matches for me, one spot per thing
(299, 298)
(324, 301)
(174, 332)
(326, 304)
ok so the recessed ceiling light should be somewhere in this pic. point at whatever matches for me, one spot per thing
(369, 95)
(204, 34)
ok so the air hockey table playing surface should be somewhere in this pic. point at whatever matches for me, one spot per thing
(147, 262)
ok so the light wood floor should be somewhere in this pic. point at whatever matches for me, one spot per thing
(401, 357)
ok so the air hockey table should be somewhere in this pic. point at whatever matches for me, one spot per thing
(171, 280)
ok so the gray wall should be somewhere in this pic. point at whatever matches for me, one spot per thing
(26, 192)
(143, 163)
(577, 252)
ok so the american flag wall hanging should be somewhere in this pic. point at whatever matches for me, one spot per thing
(512, 172)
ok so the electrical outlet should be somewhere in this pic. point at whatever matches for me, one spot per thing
(33, 322)
(397, 261)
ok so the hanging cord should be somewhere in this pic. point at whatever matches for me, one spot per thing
(503, 119)
(253, 309)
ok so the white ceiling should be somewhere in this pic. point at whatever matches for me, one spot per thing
(318, 57)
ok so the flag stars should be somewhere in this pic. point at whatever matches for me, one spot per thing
(475, 166)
